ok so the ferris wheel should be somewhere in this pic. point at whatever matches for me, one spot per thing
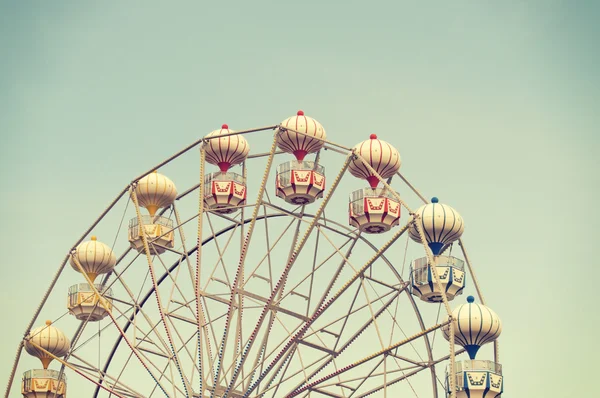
(261, 279)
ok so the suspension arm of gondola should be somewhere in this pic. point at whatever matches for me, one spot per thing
(366, 359)
(283, 279)
(471, 272)
(240, 335)
(412, 187)
(200, 316)
(186, 384)
(193, 145)
(417, 224)
(240, 292)
(330, 148)
(240, 132)
(240, 268)
(324, 140)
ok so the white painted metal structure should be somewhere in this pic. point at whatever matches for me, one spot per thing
(94, 257)
(272, 300)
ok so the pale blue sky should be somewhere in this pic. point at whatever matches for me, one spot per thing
(493, 106)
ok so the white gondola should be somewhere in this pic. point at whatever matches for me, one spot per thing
(44, 383)
(476, 379)
(158, 230)
(374, 211)
(224, 192)
(300, 182)
(451, 274)
(85, 305)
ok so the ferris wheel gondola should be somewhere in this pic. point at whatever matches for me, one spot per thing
(300, 181)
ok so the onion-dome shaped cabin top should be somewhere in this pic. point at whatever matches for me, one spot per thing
(94, 257)
(474, 325)
(380, 155)
(48, 338)
(310, 140)
(155, 191)
(440, 223)
(226, 151)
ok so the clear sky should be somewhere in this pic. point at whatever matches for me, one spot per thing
(494, 107)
